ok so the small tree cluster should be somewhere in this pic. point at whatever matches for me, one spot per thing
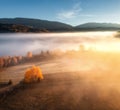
(10, 61)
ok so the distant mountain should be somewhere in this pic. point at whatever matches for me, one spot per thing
(37, 23)
(98, 26)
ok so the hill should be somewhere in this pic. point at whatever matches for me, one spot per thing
(69, 84)
(37, 24)
(98, 26)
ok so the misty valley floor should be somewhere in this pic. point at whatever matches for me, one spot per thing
(67, 85)
(63, 93)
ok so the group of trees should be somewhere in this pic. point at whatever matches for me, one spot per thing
(11, 61)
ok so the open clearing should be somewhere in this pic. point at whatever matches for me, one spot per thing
(84, 83)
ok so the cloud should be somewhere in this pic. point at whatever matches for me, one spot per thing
(71, 13)
(86, 15)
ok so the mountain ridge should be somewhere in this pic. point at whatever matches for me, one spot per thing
(38, 25)
(95, 24)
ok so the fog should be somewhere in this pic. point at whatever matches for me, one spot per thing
(88, 80)
(19, 44)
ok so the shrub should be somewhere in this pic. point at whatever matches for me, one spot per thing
(33, 74)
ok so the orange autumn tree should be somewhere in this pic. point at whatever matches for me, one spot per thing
(33, 74)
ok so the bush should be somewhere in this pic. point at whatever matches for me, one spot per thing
(33, 74)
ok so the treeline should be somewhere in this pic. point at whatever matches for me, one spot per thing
(14, 28)
(43, 55)
(8, 61)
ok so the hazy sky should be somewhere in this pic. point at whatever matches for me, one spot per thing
(72, 12)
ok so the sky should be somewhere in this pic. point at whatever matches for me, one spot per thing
(73, 12)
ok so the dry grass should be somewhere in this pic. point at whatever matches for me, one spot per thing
(84, 81)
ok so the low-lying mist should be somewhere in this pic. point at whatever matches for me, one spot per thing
(96, 79)
(19, 44)
(85, 76)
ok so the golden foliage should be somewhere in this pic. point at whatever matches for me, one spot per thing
(1, 62)
(33, 74)
(29, 55)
